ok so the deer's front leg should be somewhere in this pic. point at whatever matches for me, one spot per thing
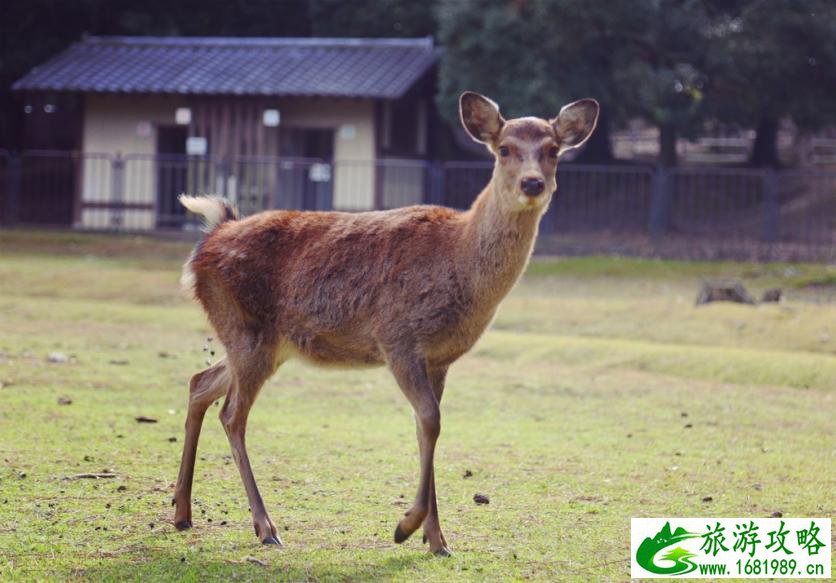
(411, 373)
(432, 525)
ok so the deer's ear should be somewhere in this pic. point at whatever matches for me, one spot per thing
(575, 123)
(480, 117)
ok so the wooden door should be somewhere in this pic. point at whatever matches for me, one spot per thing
(172, 172)
(306, 178)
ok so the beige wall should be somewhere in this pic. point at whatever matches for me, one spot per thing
(113, 124)
(110, 122)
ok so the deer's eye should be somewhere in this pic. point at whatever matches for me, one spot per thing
(504, 151)
(553, 152)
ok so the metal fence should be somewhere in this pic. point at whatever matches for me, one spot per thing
(732, 211)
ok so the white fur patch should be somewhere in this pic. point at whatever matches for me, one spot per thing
(212, 209)
(531, 201)
(187, 278)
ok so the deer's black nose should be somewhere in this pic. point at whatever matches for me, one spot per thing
(532, 186)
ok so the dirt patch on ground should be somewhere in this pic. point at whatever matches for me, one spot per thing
(161, 245)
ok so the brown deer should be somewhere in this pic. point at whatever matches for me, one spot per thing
(411, 288)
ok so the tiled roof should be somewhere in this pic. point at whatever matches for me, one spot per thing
(383, 68)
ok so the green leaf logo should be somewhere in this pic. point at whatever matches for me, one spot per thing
(681, 558)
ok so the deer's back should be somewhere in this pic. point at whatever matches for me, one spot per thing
(342, 288)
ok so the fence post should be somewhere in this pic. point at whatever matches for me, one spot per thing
(435, 186)
(221, 177)
(770, 206)
(659, 203)
(117, 191)
(14, 184)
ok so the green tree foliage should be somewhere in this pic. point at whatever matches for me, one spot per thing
(515, 53)
(661, 71)
(640, 59)
(495, 48)
(774, 59)
(372, 18)
(673, 63)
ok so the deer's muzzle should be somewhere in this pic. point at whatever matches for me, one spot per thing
(532, 186)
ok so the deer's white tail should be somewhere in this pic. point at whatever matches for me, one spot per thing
(214, 211)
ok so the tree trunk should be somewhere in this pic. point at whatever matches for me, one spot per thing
(598, 150)
(765, 151)
(667, 146)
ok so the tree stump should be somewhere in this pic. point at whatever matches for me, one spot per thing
(724, 292)
(772, 295)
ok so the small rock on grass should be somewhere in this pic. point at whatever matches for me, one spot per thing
(724, 291)
(772, 295)
(65, 401)
(777, 514)
(57, 358)
(481, 499)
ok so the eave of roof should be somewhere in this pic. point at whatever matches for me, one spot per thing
(333, 67)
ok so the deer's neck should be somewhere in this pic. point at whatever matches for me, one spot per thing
(498, 244)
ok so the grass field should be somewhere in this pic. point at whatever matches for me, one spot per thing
(601, 393)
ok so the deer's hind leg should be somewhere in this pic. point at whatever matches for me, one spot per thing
(250, 369)
(204, 388)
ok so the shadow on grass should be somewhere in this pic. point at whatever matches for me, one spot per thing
(168, 566)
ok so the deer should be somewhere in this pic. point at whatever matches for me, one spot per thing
(411, 289)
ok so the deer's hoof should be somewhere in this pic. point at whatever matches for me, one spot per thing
(183, 525)
(400, 535)
(272, 540)
(442, 552)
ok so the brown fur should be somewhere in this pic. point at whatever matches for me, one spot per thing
(411, 288)
(333, 284)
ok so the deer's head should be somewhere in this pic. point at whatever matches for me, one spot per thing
(526, 148)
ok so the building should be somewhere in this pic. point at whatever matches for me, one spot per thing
(307, 123)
